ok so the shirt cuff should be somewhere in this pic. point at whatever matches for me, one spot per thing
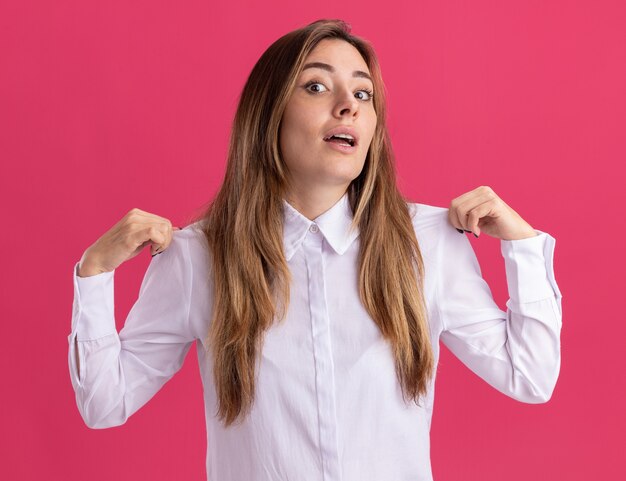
(529, 267)
(93, 313)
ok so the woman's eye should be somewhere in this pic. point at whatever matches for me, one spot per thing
(310, 84)
(368, 93)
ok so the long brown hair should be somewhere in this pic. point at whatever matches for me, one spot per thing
(244, 227)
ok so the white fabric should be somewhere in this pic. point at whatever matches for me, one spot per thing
(328, 405)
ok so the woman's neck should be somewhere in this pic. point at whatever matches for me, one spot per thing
(312, 203)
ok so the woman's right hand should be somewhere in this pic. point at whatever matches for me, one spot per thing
(125, 240)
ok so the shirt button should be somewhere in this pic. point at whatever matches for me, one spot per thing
(313, 228)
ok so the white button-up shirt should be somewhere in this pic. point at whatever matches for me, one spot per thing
(328, 404)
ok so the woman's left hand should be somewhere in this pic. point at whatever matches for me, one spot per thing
(481, 210)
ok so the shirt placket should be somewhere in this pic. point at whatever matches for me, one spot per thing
(322, 353)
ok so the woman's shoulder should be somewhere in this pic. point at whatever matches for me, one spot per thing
(191, 241)
(192, 231)
(428, 220)
(438, 236)
(426, 212)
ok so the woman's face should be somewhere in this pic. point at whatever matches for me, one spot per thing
(326, 97)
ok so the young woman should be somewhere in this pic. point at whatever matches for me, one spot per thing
(316, 294)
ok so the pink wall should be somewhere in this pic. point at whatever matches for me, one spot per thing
(106, 106)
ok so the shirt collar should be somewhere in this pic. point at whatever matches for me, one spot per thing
(334, 225)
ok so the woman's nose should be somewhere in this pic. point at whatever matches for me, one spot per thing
(347, 104)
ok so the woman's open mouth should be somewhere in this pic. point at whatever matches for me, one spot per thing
(342, 143)
(341, 146)
(341, 139)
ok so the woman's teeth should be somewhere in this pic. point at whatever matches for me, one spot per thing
(340, 141)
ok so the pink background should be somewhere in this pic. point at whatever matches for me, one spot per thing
(106, 106)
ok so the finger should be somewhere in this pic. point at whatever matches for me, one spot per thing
(461, 218)
(169, 237)
(141, 216)
(457, 219)
(453, 218)
(467, 195)
(464, 209)
(155, 234)
(478, 213)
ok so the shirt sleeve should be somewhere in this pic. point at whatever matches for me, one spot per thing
(517, 351)
(119, 373)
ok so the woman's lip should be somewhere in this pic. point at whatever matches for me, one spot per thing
(343, 148)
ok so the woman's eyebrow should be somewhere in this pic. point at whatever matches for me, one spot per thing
(331, 69)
